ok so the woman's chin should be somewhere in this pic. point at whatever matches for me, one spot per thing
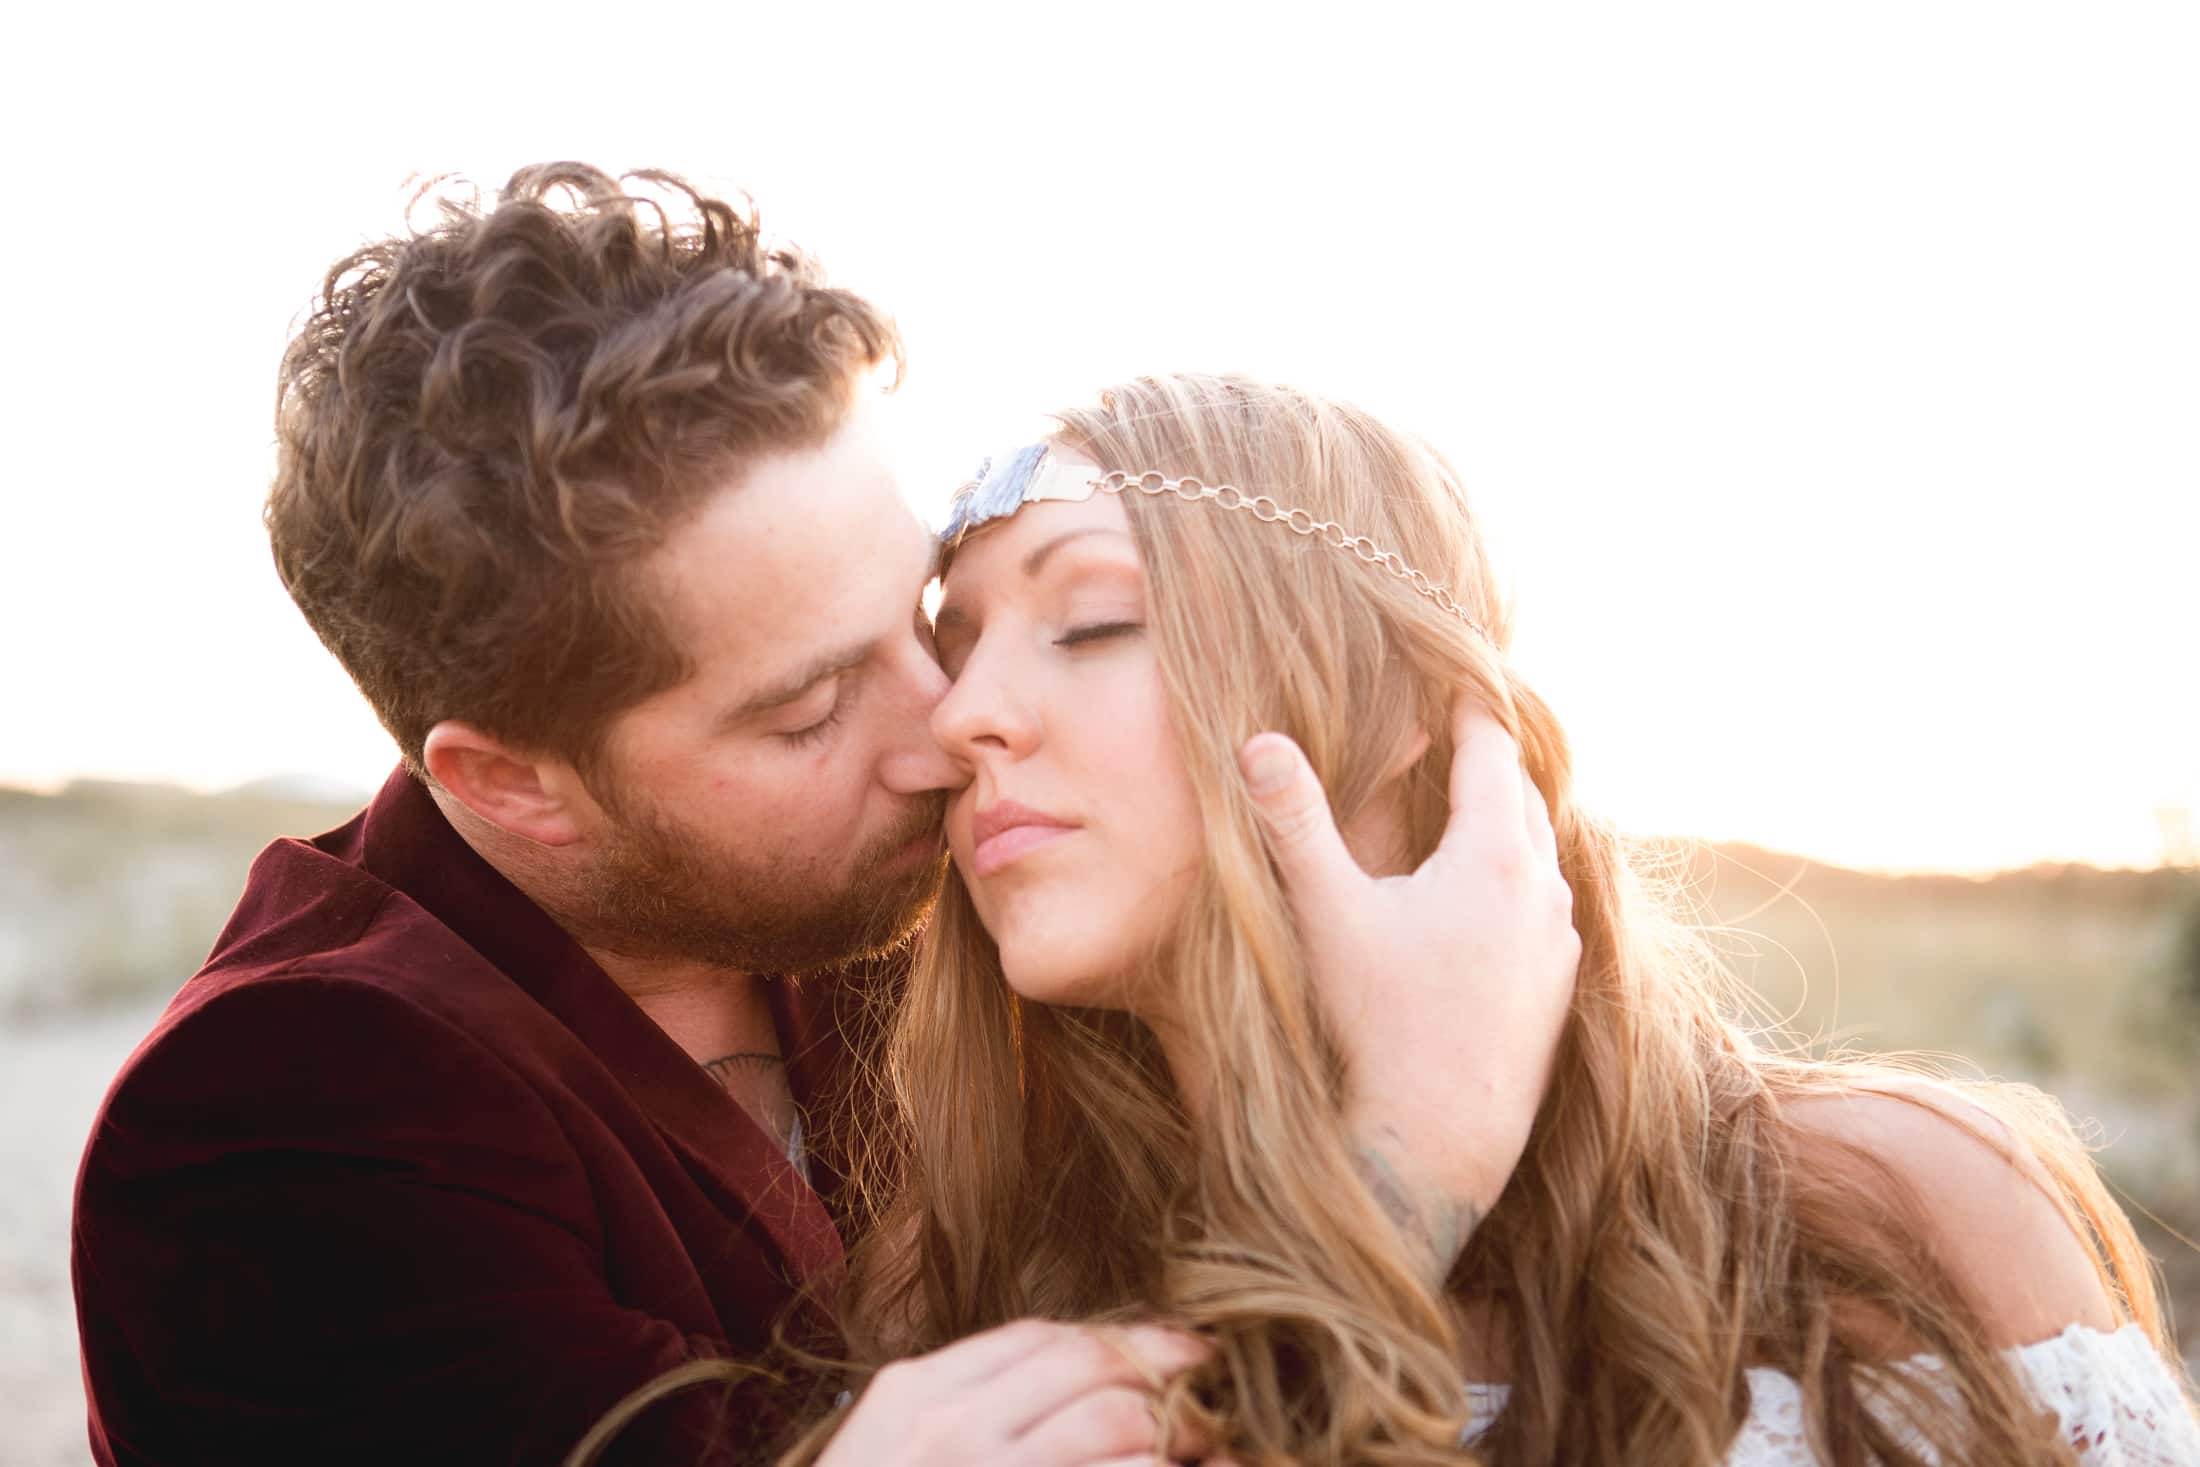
(1051, 980)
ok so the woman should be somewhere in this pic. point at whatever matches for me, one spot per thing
(1115, 1097)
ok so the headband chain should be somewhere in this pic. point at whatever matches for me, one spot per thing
(1299, 521)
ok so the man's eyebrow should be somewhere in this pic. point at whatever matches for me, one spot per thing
(787, 689)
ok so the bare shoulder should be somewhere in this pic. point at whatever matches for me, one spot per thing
(1989, 1206)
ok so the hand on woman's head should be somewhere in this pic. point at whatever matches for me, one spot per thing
(1446, 987)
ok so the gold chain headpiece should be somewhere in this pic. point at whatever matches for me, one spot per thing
(1299, 521)
(1035, 472)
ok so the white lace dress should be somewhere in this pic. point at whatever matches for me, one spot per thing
(2112, 1393)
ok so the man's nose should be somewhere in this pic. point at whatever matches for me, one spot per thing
(917, 764)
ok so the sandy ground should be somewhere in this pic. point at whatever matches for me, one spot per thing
(52, 1075)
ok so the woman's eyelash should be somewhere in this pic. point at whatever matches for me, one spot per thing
(803, 737)
(1098, 631)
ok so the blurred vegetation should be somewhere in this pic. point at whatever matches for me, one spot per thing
(2081, 981)
(2046, 973)
(115, 892)
(2185, 967)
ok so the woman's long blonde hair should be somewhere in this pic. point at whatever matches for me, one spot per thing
(1659, 1236)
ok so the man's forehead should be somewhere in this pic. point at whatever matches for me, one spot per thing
(789, 572)
(788, 521)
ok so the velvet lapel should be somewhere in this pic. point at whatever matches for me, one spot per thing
(407, 843)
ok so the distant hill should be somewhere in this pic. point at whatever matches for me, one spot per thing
(2041, 973)
(115, 891)
(301, 789)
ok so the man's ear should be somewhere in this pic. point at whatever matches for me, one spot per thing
(534, 796)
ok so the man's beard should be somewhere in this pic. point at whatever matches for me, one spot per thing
(660, 890)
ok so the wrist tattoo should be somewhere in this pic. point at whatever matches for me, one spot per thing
(721, 1069)
(1436, 1228)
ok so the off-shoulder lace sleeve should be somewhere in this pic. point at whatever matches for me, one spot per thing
(2115, 1397)
(2112, 1393)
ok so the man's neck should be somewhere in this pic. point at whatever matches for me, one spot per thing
(723, 1019)
(707, 1010)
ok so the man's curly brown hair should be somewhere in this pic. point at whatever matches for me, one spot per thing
(486, 423)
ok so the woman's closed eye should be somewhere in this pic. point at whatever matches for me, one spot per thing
(957, 640)
(1098, 631)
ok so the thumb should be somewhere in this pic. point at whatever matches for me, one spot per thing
(1316, 866)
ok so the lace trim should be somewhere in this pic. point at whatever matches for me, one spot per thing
(2113, 1394)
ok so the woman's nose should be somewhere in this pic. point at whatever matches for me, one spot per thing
(985, 711)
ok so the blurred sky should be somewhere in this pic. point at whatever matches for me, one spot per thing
(1828, 373)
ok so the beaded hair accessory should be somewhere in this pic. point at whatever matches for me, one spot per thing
(1038, 472)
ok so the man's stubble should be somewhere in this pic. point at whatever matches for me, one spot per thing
(662, 890)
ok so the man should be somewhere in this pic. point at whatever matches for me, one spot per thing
(487, 1108)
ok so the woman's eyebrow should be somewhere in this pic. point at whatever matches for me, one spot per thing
(952, 617)
(1038, 557)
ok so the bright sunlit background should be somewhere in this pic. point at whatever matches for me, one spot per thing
(1827, 373)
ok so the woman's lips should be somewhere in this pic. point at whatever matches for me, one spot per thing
(1005, 830)
(1011, 843)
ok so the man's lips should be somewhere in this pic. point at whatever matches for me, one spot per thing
(1005, 830)
(919, 848)
(925, 837)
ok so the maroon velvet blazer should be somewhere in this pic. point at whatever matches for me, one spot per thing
(402, 1177)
